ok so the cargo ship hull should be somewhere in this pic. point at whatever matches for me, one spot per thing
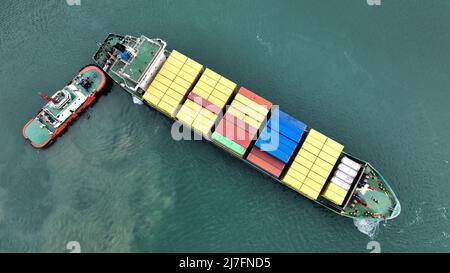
(55, 116)
(244, 124)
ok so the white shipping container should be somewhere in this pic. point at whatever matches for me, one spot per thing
(346, 169)
(352, 164)
(338, 182)
(346, 178)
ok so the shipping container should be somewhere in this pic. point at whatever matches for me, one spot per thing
(287, 120)
(286, 125)
(252, 96)
(352, 164)
(228, 143)
(333, 197)
(340, 183)
(266, 162)
(344, 177)
(312, 166)
(235, 133)
(204, 103)
(242, 124)
(172, 83)
(214, 88)
(347, 170)
(276, 144)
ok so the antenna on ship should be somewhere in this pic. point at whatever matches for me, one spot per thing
(47, 98)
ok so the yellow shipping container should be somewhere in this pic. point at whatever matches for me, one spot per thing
(313, 184)
(172, 93)
(314, 142)
(334, 153)
(179, 56)
(224, 90)
(324, 165)
(297, 175)
(226, 82)
(213, 99)
(333, 197)
(166, 108)
(186, 114)
(322, 172)
(172, 83)
(171, 68)
(308, 155)
(305, 162)
(175, 63)
(336, 189)
(208, 87)
(248, 111)
(185, 118)
(233, 111)
(193, 66)
(169, 100)
(220, 95)
(151, 99)
(208, 114)
(309, 192)
(167, 73)
(255, 106)
(328, 158)
(310, 148)
(162, 79)
(293, 182)
(212, 75)
(205, 87)
(319, 136)
(252, 122)
(316, 178)
(208, 80)
(313, 164)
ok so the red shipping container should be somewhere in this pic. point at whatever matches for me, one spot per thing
(278, 164)
(264, 165)
(204, 103)
(240, 123)
(233, 132)
(249, 94)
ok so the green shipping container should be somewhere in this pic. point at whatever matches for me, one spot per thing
(228, 143)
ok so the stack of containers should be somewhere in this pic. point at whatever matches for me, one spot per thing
(206, 102)
(172, 83)
(277, 142)
(241, 123)
(313, 164)
(342, 180)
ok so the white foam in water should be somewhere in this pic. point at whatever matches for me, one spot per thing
(137, 101)
(367, 227)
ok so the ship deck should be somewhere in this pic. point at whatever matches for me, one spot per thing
(126, 73)
(378, 201)
(138, 65)
(83, 93)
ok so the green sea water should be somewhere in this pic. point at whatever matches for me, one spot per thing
(375, 78)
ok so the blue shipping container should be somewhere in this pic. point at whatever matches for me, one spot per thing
(281, 149)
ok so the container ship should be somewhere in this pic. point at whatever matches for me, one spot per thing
(247, 126)
(64, 106)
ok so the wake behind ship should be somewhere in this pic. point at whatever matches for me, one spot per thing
(248, 127)
(64, 106)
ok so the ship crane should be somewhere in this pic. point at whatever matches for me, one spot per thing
(47, 98)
